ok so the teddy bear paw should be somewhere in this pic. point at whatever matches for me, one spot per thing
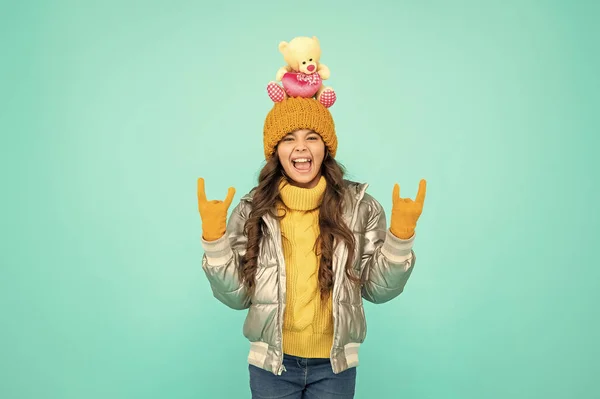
(327, 98)
(276, 92)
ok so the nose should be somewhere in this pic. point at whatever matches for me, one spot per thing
(311, 68)
(300, 147)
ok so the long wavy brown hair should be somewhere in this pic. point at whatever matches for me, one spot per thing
(331, 223)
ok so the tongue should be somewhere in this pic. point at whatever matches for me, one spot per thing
(302, 165)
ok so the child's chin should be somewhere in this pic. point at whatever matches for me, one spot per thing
(303, 177)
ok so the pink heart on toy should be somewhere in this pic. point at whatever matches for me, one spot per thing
(301, 84)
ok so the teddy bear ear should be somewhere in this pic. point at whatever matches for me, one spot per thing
(315, 39)
(283, 46)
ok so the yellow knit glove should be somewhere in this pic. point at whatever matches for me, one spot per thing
(406, 212)
(213, 213)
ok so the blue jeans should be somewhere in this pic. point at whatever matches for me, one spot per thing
(303, 379)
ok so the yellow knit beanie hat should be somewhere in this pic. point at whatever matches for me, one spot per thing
(295, 113)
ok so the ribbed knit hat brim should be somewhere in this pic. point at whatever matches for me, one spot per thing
(296, 113)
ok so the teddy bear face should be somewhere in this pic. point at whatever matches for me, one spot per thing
(302, 54)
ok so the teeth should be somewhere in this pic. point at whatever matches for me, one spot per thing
(302, 160)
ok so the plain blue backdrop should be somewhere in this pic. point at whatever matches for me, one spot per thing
(111, 111)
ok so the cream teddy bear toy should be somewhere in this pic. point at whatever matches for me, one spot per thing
(303, 74)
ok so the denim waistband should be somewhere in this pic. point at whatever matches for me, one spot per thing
(306, 361)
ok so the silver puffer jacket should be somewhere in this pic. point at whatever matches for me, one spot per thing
(385, 262)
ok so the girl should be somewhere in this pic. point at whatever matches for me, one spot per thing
(300, 252)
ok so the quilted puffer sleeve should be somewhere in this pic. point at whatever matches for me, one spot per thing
(388, 261)
(222, 259)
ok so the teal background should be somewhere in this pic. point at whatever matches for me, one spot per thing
(110, 112)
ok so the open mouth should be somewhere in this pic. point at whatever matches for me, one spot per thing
(302, 165)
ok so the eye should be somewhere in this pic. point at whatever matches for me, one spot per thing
(303, 62)
(310, 59)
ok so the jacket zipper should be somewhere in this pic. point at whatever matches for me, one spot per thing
(345, 252)
(281, 368)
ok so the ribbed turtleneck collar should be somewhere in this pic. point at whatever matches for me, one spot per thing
(302, 199)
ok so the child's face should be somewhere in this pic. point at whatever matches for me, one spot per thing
(302, 144)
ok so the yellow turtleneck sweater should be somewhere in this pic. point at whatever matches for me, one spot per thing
(308, 322)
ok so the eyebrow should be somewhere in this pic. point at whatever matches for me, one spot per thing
(307, 134)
